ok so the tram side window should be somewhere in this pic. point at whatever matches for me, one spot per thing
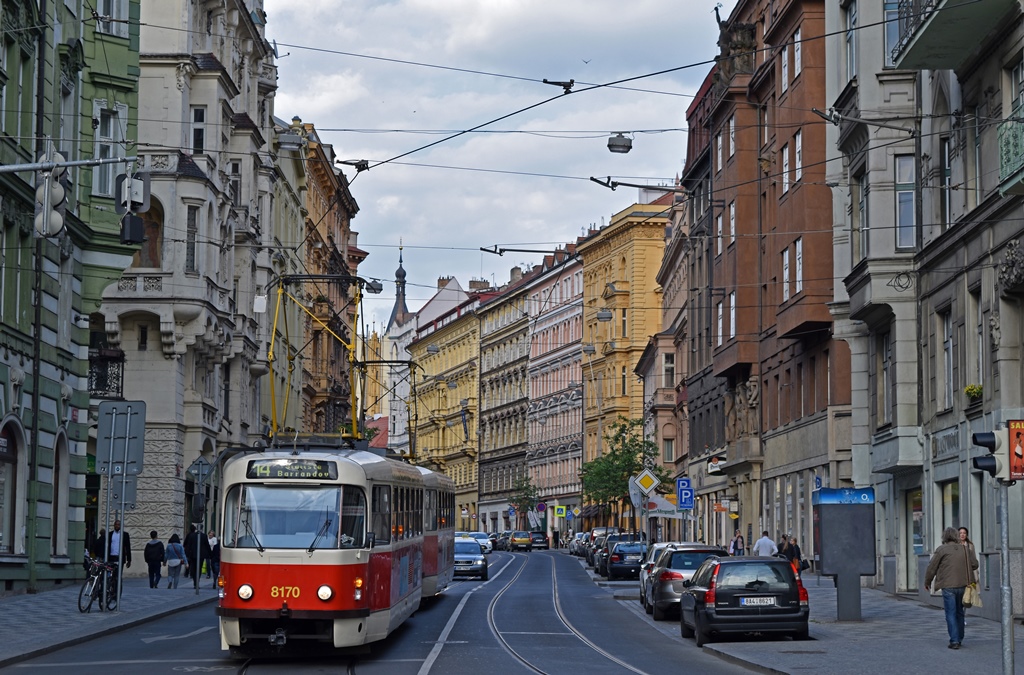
(430, 510)
(417, 512)
(353, 518)
(382, 513)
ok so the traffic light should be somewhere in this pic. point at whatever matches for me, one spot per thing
(50, 200)
(997, 462)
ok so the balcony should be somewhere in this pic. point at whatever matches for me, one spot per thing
(942, 34)
(896, 451)
(106, 373)
(1011, 157)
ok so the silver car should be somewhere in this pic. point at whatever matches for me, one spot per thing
(469, 559)
(485, 541)
(673, 566)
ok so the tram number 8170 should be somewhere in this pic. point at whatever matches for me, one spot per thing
(284, 591)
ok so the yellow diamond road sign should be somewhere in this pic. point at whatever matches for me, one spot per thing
(647, 481)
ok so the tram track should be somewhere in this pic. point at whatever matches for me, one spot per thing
(559, 613)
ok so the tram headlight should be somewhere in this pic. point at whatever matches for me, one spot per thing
(325, 593)
(357, 593)
(245, 592)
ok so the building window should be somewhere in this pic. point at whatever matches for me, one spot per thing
(892, 30)
(718, 232)
(1016, 87)
(198, 130)
(884, 379)
(785, 274)
(8, 491)
(720, 318)
(784, 83)
(625, 324)
(785, 168)
(191, 235)
(668, 446)
(797, 57)
(851, 40)
(108, 144)
(798, 155)
(624, 382)
(905, 220)
(732, 222)
(945, 189)
(668, 370)
(946, 321)
(113, 17)
(798, 260)
(732, 135)
(235, 183)
(974, 309)
(718, 152)
(732, 314)
(858, 218)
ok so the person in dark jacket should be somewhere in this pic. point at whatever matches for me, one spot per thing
(154, 555)
(952, 569)
(792, 552)
(119, 548)
(196, 555)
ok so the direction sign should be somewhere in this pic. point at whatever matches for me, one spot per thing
(647, 481)
(511, 512)
(200, 468)
(685, 499)
(120, 437)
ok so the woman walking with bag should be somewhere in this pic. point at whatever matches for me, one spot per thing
(951, 569)
(174, 555)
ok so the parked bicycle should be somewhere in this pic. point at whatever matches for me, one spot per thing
(92, 589)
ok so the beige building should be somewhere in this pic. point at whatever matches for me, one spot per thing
(621, 308)
(446, 352)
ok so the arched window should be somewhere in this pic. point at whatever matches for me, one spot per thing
(59, 510)
(9, 489)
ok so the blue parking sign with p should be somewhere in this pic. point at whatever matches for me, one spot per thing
(684, 494)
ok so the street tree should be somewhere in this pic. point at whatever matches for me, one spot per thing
(606, 478)
(524, 496)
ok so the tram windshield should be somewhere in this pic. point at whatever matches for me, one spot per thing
(294, 517)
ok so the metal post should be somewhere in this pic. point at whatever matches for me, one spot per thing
(124, 496)
(106, 511)
(1005, 592)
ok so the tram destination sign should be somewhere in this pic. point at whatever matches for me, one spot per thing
(291, 469)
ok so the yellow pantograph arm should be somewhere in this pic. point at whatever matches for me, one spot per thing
(319, 321)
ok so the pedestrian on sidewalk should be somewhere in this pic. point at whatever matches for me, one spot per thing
(174, 555)
(153, 554)
(213, 567)
(197, 549)
(950, 570)
(794, 554)
(737, 546)
(119, 548)
(765, 546)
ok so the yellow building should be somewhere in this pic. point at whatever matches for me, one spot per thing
(446, 352)
(621, 309)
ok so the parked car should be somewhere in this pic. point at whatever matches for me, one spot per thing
(503, 538)
(596, 543)
(743, 594)
(675, 565)
(520, 541)
(624, 560)
(539, 540)
(576, 543)
(484, 540)
(602, 554)
(469, 559)
(493, 538)
(647, 564)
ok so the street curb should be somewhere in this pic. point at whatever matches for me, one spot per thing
(751, 665)
(109, 630)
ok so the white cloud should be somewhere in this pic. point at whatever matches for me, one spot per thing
(444, 216)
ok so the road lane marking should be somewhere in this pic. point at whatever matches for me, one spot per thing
(194, 633)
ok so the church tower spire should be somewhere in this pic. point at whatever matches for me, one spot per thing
(400, 312)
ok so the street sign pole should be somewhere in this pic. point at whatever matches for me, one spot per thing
(1005, 592)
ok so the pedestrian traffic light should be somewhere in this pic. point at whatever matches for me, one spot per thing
(997, 462)
(50, 200)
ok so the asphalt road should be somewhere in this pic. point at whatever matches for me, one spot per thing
(539, 613)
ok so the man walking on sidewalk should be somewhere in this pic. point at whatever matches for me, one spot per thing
(951, 569)
(154, 555)
(765, 546)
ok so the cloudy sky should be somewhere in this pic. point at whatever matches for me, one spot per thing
(382, 79)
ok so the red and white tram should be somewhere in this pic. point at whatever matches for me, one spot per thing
(439, 532)
(324, 545)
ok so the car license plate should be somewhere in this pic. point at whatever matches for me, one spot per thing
(756, 602)
(632, 558)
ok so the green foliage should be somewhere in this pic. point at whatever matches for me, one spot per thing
(973, 390)
(606, 478)
(524, 494)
